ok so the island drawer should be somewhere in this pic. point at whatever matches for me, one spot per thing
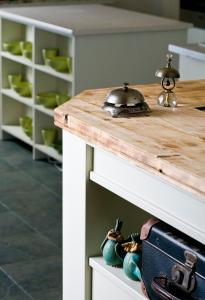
(150, 192)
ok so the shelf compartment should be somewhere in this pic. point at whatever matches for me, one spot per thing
(47, 39)
(49, 151)
(12, 67)
(51, 71)
(11, 112)
(14, 31)
(45, 121)
(16, 131)
(12, 94)
(48, 83)
(109, 282)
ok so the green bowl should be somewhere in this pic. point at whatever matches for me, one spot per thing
(60, 99)
(14, 79)
(23, 88)
(27, 54)
(49, 53)
(47, 99)
(26, 45)
(13, 47)
(49, 135)
(59, 63)
(58, 146)
(26, 48)
(26, 124)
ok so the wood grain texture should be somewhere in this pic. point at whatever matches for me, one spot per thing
(170, 142)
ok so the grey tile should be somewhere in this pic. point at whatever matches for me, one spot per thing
(52, 294)
(3, 208)
(16, 180)
(5, 167)
(25, 247)
(10, 224)
(41, 209)
(45, 173)
(10, 291)
(54, 234)
(38, 275)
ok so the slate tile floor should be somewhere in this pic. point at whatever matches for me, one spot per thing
(30, 226)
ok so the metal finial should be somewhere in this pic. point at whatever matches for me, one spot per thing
(169, 59)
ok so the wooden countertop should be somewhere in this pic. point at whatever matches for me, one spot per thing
(169, 143)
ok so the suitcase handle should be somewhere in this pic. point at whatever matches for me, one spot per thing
(160, 287)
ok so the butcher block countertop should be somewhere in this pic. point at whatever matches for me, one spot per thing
(169, 143)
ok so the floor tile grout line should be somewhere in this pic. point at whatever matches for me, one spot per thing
(29, 225)
(16, 283)
(38, 181)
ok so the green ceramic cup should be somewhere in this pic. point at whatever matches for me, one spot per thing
(60, 99)
(49, 136)
(14, 79)
(23, 88)
(26, 48)
(49, 53)
(26, 124)
(47, 99)
(13, 47)
(26, 45)
(59, 63)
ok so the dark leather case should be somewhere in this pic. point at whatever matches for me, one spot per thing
(173, 264)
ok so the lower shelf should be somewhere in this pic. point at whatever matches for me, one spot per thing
(49, 151)
(112, 283)
(17, 132)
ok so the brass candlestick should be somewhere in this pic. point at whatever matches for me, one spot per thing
(168, 75)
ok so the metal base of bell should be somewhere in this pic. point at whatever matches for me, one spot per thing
(167, 99)
(126, 111)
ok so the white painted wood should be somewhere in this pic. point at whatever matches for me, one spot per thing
(111, 283)
(45, 110)
(51, 152)
(90, 210)
(74, 217)
(17, 58)
(91, 19)
(17, 131)
(12, 94)
(191, 60)
(191, 68)
(175, 206)
(51, 71)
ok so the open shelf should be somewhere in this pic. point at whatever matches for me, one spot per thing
(18, 58)
(17, 132)
(49, 151)
(51, 71)
(116, 277)
(12, 94)
(47, 111)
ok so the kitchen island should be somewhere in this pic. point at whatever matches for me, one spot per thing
(191, 60)
(131, 168)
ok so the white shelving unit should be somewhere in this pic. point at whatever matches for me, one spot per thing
(107, 280)
(108, 46)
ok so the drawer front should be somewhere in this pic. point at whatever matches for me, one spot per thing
(154, 194)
